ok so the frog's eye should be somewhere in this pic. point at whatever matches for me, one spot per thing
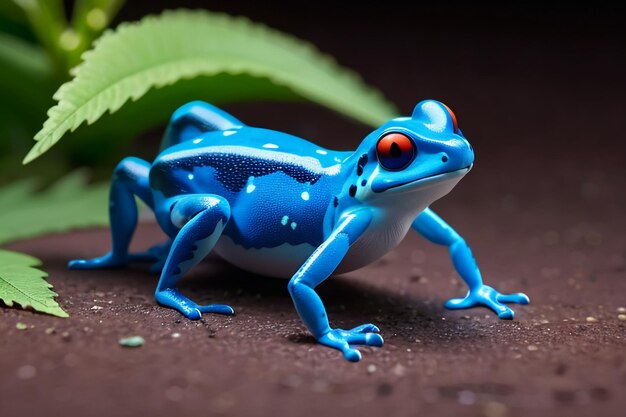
(455, 124)
(395, 151)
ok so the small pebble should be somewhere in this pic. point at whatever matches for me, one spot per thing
(532, 348)
(621, 317)
(467, 397)
(371, 368)
(21, 326)
(66, 336)
(26, 372)
(175, 335)
(133, 341)
(591, 319)
(621, 309)
(96, 308)
(51, 330)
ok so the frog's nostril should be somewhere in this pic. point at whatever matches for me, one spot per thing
(444, 158)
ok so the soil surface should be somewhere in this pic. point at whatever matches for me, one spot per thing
(543, 210)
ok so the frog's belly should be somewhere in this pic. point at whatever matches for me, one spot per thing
(284, 260)
(280, 261)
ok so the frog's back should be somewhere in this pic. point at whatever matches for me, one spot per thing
(235, 155)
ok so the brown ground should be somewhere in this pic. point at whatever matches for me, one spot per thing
(543, 209)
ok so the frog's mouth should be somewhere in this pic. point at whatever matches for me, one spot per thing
(431, 180)
(421, 183)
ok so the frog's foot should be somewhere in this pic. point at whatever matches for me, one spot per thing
(344, 340)
(107, 261)
(174, 299)
(489, 297)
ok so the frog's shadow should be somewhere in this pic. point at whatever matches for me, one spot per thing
(348, 301)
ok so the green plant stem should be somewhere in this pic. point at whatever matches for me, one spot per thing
(47, 19)
(89, 19)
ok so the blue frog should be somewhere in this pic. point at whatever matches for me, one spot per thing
(274, 204)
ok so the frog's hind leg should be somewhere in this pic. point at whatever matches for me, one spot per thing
(201, 219)
(130, 179)
(194, 118)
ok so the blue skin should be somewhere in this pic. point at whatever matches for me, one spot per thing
(276, 204)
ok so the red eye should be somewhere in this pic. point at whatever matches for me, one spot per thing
(453, 116)
(395, 151)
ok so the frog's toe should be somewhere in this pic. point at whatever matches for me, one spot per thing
(365, 328)
(517, 298)
(217, 309)
(172, 298)
(192, 313)
(489, 297)
(366, 339)
(106, 261)
(345, 340)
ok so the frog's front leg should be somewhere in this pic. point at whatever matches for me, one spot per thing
(319, 266)
(201, 219)
(435, 229)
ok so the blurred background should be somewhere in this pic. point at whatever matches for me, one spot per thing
(540, 86)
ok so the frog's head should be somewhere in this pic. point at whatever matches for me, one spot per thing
(421, 157)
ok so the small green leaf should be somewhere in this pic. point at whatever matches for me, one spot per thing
(23, 284)
(68, 204)
(183, 44)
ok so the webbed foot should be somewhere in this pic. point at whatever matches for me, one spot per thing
(106, 261)
(174, 299)
(489, 297)
(344, 340)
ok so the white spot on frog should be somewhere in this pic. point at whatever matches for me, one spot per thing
(321, 152)
(270, 146)
(190, 176)
(196, 141)
(251, 185)
(305, 196)
(293, 225)
(284, 220)
(333, 170)
(229, 132)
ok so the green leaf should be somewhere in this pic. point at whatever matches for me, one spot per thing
(25, 285)
(68, 204)
(182, 44)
